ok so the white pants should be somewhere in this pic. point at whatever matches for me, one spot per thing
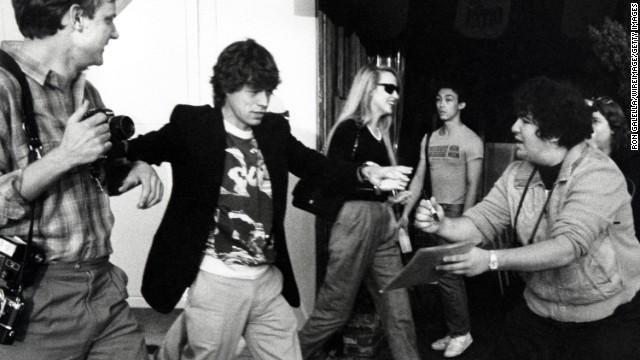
(221, 310)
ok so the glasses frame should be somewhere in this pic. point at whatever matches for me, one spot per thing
(605, 100)
(390, 88)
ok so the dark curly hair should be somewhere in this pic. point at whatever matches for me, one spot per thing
(616, 119)
(557, 108)
(243, 63)
(38, 19)
(455, 84)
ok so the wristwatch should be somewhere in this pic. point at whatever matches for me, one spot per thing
(493, 260)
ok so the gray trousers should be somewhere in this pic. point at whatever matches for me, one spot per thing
(78, 311)
(363, 247)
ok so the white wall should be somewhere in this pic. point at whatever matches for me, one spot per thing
(145, 73)
(164, 56)
(8, 27)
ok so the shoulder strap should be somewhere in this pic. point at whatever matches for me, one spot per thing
(7, 62)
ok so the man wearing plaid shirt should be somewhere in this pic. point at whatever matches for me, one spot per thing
(77, 306)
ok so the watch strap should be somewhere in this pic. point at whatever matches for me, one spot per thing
(493, 260)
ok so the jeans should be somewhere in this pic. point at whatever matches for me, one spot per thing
(453, 291)
(363, 247)
(221, 310)
(77, 312)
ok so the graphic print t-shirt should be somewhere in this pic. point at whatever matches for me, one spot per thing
(448, 158)
(243, 219)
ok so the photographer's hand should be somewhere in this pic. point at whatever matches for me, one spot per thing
(143, 174)
(84, 141)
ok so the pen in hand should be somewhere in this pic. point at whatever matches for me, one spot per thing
(434, 213)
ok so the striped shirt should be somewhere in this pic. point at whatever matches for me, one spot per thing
(73, 218)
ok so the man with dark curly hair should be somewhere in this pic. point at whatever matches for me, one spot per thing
(223, 232)
(574, 243)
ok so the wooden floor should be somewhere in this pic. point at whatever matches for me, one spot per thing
(486, 302)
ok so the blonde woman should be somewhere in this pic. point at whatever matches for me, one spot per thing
(363, 243)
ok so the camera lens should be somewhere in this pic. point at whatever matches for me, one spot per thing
(121, 127)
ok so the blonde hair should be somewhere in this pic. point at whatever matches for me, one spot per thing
(357, 106)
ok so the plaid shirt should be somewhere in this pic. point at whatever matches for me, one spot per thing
(73, 218)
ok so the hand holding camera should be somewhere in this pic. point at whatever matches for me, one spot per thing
(91, 134)
(84, 140)
(121, 128)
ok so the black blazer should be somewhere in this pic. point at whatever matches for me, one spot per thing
(194, 142)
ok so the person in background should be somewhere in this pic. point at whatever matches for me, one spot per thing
(76, 307)
(570, 212)
(455, 156)
(611, 136)
(363, 245)
(222, 235)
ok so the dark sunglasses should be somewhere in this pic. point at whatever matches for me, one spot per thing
(603, 100)
(390, 88)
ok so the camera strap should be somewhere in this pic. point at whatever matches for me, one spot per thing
(31, 129)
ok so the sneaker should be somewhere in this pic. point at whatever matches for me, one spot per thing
(441, 344)
(458, 345)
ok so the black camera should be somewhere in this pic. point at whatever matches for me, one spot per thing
(11, 253)
(121, 127)
(11, 305)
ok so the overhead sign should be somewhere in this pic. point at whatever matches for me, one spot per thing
(482, 19)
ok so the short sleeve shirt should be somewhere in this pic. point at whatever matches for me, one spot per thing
(448, 158)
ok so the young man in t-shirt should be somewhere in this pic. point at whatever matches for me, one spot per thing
(455, 156)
